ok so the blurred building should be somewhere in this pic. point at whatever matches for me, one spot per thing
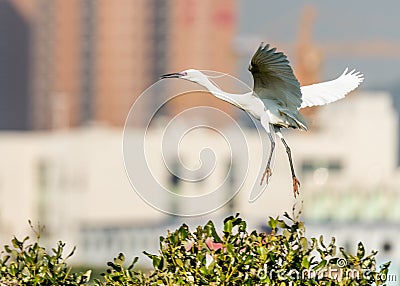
(74, 182)
(70, 63)
(202, 36)
(15, 63)
(91, 59)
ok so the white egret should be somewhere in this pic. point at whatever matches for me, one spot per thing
(277, 96)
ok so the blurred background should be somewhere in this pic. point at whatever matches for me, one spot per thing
(70, 71)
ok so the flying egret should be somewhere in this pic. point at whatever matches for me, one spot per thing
(277, 97)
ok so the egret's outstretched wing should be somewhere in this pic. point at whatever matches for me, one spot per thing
(274, 78)
(330, 91)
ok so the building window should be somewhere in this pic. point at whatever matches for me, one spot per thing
(320, 170)
(309, 166)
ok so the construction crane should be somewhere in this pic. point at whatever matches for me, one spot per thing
(309, 55)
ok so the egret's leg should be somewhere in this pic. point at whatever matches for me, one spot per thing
(268, 171)
(296, 182)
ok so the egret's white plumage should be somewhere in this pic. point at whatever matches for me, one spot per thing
(277, 97)
(330, 91)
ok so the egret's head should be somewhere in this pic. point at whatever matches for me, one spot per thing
(190, 75)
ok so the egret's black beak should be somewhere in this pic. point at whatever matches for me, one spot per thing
(171, 75)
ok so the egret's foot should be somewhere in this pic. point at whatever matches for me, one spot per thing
(296, 186)
(266, 175)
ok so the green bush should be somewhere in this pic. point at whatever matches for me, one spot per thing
(205, 257)
(237, 257)
(23, 263)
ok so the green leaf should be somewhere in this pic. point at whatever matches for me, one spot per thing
(249, 259)
(158, 262)
(272, 223)
(87, 275)
(280, 223)
(16, 243)
(320, 265)
(183, 232)
(262, 251)
(211, 232)
(179, 262)
(305, 263)
(242, 226)
(228, 227)
(385, 265)
(304, 242)
(287, 234)
(7, 248)
(203, 270)
(360, 250)
(301, 226)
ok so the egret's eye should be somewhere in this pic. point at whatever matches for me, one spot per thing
(184, 73)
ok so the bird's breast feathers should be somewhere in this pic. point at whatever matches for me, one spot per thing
(257, 108)
(254, 106)
(272, 112)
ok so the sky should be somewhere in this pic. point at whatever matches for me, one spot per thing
(336, 22)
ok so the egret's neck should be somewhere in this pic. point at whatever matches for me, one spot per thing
(234, 99)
